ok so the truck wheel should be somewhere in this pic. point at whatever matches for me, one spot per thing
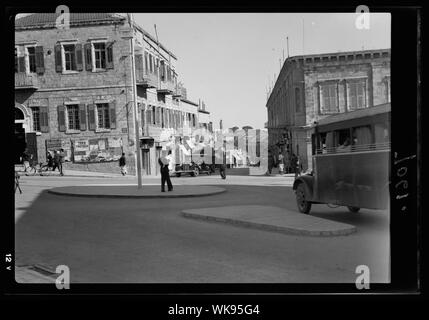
(303, 205)
(353, 209)
(195, 173)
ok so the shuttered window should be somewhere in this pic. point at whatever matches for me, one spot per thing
(16, 61)
(329, 98)
(139, 66)
(357, 96)
(31, 53)
(146, 63)
(103, 116)
(70, 57)
(100, 55)
(73, 117)
(297, 100)
(40, 119)
(36, 118)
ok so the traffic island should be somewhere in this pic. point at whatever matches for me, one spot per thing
(131, 191)
(271, 219)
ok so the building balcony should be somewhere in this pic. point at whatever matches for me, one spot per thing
(24, 81)
(149, 80)
(167, 87)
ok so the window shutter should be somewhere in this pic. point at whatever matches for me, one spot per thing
(61, 118)
(58, 62)
(44, 119)
(162, 70)
(146, 66)
(40, 63)
(109, 60)
(91, 116)
(88, 56)
(82, 117)
(139, 66)
(79, 59)
(112, 114)
(21, 64)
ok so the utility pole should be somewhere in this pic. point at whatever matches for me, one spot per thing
(135, 113)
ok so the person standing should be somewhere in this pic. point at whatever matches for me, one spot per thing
(270, 161)
(122, 164)
(222, 168)
(294, 164)
(62, 157)
(164, 163)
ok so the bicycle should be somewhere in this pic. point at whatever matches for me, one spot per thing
(38, 168)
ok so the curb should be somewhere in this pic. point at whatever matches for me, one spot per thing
(267, 227)
(221, 190)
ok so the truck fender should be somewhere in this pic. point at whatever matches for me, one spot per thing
(307, 181)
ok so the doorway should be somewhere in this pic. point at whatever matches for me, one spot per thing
(19, 143)
(146, 162)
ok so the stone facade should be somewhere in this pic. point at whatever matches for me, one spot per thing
(102, 96)
(312, 87)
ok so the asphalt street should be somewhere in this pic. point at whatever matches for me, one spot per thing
(149, 241)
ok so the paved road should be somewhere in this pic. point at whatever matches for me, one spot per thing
(148, 241)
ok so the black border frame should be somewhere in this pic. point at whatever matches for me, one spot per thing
(407, 138)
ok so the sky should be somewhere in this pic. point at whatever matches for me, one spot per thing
(229, 59)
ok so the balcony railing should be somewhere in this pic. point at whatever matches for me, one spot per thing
(26, 81)
(149, 80)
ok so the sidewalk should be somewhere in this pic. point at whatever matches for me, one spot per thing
(271, 218)
(76, 173)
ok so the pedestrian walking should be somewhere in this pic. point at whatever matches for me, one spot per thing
(123, 164)
(164, 163)
(49, 160)
(287, 162)
(281, 164)
(56, 161)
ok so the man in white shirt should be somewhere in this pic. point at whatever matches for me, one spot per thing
(165, 162)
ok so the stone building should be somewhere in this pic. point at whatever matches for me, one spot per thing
(312, 87)
(74, 90)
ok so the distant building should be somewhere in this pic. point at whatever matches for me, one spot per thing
(312, 87)
(204, 118)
